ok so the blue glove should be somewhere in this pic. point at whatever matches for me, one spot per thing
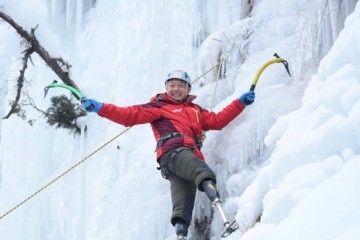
(247, 98)
(91, 105)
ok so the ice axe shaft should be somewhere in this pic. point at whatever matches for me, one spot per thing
(73, 90)
(268, 63)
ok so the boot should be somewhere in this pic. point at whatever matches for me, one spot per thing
(211, 191)
(181, 230)
(181, 238)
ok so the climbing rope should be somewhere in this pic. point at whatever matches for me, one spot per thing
(83, 160)
(62, 174)
(216, 83)
(198, 78)
(219, 64)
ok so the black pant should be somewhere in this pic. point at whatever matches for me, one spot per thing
(186, 172)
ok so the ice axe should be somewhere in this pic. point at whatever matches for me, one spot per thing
(78, 95)
(268, 63)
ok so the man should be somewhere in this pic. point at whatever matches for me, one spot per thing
(178, 125)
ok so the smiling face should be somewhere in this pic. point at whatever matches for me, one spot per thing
(177, 89)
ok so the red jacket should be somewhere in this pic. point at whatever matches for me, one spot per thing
(167, 115)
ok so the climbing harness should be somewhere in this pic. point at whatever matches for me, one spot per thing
(167, 136)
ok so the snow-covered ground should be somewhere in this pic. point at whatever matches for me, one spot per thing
(292, 157)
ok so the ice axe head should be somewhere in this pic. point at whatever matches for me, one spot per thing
(46, 89)
(286, 64)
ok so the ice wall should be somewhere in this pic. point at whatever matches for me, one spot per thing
(120, 53)
(290, 29)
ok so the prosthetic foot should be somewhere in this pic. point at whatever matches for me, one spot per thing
(212, 193)
(229, 227)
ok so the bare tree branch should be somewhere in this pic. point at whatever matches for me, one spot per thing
(58, 65)
(32, 103)
(18, 29)
(20, 83)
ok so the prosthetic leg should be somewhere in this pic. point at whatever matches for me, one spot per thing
(213, 195)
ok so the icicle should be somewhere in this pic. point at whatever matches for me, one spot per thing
(53, 8)
(79, 16)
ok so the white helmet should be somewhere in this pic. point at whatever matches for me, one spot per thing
(179, 74)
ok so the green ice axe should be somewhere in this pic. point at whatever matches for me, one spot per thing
(73, 90)
(268, 63)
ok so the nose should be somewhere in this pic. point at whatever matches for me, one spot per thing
(176, 87)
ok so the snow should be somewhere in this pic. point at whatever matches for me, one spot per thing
(292, 157)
